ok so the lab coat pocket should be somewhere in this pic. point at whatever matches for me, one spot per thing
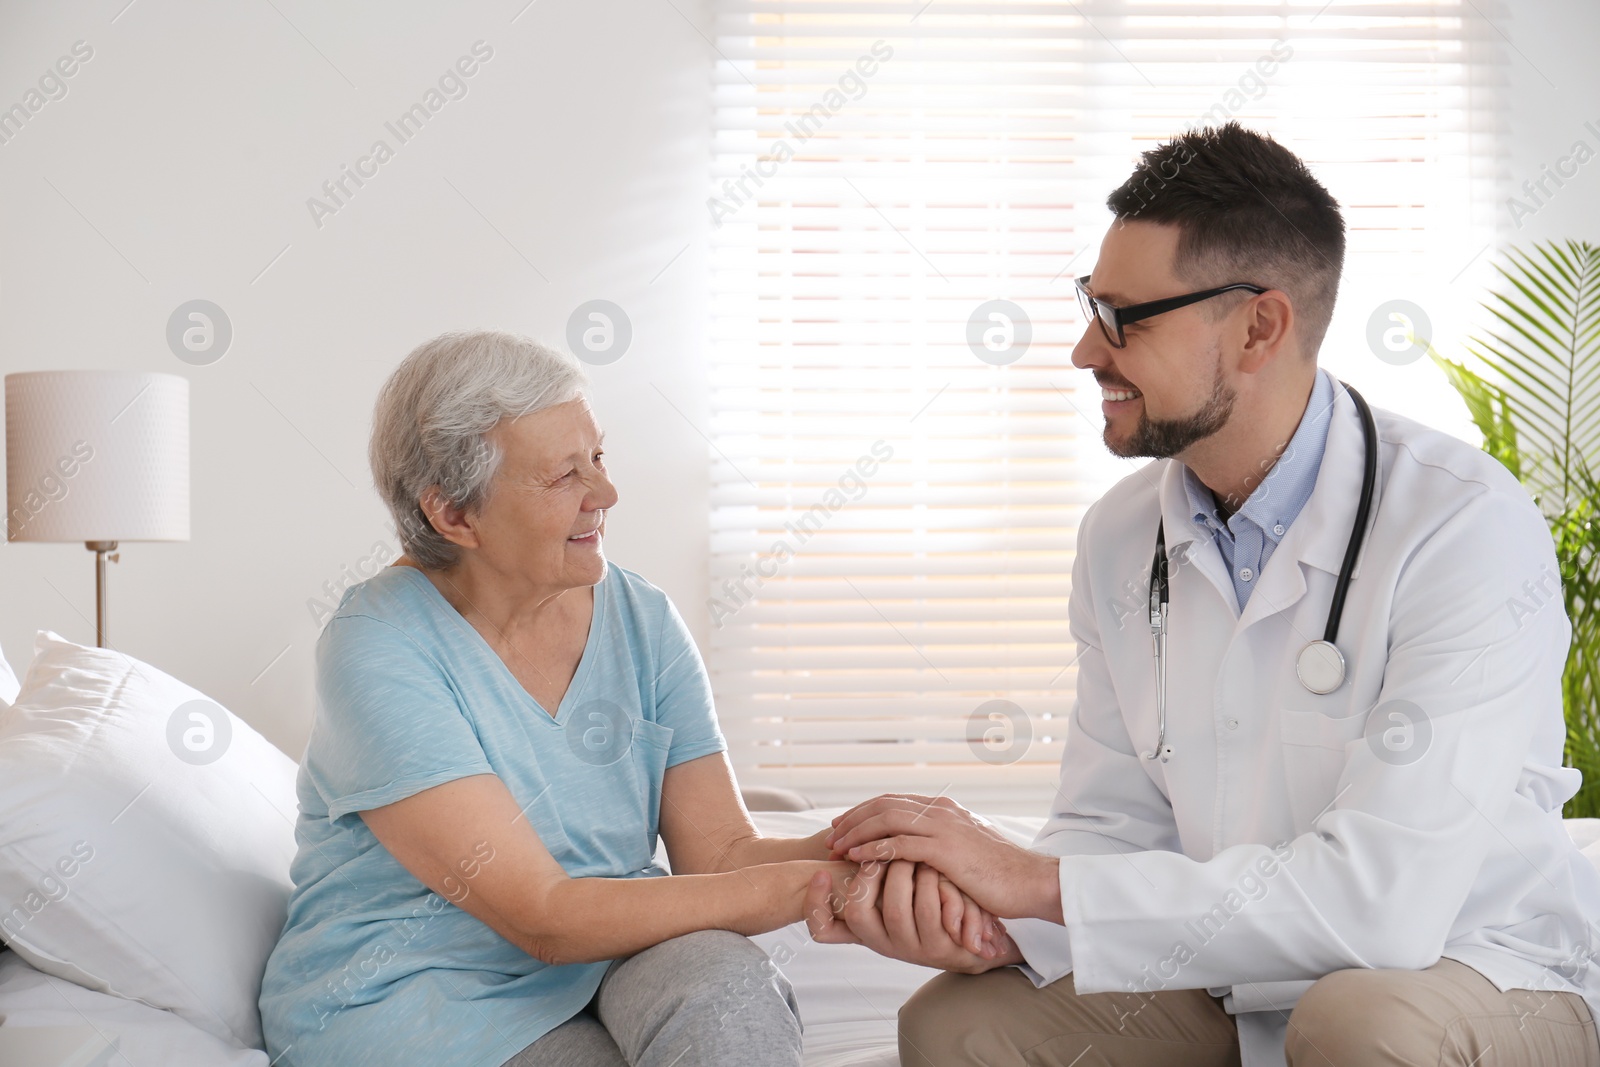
(1315, 747)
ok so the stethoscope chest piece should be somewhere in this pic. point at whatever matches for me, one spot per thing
(1320, 666)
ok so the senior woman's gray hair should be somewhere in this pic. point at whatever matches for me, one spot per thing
(431, 422)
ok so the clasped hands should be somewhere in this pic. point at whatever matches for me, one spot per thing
(934, 883)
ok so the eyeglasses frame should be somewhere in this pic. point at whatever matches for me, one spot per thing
(1101, 310)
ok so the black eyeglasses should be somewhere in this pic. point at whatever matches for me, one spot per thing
(1112, 318)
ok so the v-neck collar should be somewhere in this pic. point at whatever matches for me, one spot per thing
(579, 677)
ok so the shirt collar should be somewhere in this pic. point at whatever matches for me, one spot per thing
(1275, 502)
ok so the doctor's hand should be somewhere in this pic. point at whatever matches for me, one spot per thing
(908, 911)
(1006, 879)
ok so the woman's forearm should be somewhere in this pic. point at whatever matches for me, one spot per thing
(581, 920)
(756, 850)
(749, 849)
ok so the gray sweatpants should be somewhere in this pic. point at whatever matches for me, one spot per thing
(707, 998)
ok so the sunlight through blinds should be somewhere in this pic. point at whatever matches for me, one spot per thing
(900, 462)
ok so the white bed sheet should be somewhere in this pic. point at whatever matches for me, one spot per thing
(141, 1036)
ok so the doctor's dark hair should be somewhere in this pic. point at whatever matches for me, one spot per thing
(431, 423)
(1248, 210)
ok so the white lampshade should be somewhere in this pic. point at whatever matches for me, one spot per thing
(97, 455)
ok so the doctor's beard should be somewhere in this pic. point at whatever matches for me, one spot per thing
(1161, 438)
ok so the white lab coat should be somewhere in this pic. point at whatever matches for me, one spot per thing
(1277, 846)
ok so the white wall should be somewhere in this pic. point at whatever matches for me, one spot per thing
(1555, 98)
(184, 153)
(191, 142)
(1551, 88)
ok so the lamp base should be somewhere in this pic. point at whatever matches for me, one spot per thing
(103, 550)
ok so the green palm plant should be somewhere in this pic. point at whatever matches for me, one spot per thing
(1538, 408)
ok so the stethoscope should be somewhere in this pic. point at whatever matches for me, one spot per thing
(1320, 665)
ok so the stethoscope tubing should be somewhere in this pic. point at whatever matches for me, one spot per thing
(1160, 592)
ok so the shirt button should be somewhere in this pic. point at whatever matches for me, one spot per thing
(1278, 529)
(1245, 574)
(1233, 724)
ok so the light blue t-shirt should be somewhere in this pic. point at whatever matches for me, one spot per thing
(373, 969)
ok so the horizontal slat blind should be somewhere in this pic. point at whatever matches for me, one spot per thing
(893, 509)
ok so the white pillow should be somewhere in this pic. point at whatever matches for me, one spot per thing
(149, 868)
(8, 682)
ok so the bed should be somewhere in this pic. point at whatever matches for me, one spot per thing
(848, 996)
(141, 944)
(144, 882)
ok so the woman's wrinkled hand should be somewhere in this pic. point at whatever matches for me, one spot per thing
(908, 911)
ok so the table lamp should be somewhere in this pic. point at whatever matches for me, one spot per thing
(98, 456)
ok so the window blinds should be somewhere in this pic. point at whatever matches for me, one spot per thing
(899, 463)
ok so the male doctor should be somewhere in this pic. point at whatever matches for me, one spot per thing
(1316, 863)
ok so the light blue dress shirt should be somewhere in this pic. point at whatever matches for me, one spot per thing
(1251, 534)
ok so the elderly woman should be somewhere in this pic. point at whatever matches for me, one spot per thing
(505, 721)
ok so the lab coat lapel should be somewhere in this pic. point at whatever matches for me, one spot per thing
(1320, 532)
(1190, 546)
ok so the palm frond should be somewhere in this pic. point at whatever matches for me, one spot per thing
(1490, 409)
(1545, 354)
(1538, 409)
(1577, 534)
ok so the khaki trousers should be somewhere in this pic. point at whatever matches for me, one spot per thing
(1448, 1015)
